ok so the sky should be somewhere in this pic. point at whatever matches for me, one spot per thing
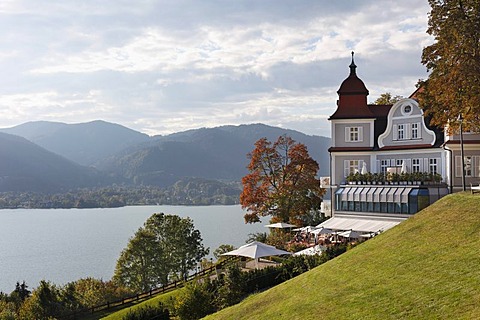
(161, 67)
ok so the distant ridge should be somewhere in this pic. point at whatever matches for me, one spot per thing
(133, 158)
(84, 143)
(212, 153)
(24, 166)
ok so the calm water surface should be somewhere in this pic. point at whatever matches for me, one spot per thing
(62, 245)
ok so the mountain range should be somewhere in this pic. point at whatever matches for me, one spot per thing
(52, 156)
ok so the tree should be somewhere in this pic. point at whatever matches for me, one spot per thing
(44, 303)
(166, 245)
(194, 302)
(223, 248)
(282, 182)
(386, 98)
(453, 60)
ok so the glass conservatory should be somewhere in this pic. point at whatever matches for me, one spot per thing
(390, 199)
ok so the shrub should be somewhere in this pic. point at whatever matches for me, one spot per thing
(195, 302)
(160, 312)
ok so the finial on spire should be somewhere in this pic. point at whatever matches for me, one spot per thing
(353, 66)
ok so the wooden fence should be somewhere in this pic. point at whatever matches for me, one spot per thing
(148, 294)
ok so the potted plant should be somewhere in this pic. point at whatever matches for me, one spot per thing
(358, 177)
(369, 178)
(417, 177)
(351, 178)
(404, 177)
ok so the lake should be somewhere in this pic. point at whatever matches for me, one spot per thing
(63, 245)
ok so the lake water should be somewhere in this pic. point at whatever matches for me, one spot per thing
(63, 245)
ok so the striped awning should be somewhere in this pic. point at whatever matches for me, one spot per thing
(359, 224)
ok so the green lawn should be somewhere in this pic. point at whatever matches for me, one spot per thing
(425, 268)
(165, 298)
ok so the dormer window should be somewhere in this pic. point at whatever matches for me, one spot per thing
(406, 131)
(353, 134)
(401, 132)
(415, 131)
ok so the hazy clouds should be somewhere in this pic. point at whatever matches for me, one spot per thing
(166, 66)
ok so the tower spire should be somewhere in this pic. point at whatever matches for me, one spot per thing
(353, 67)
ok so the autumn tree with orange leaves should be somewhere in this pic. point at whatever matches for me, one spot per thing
(282, 182)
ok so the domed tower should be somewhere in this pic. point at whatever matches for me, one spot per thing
(353, 125)
(352, 102)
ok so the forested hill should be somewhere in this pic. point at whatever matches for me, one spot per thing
(214, 153)
(24, 166)
(121, 155)
(84, 143)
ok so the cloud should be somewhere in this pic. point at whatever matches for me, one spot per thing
(162, 67)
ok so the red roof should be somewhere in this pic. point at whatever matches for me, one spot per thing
(352, 101)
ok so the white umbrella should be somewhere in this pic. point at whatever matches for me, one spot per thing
(350, 234)
(404, 167)
(280, 225)
(322, 230)
(364, 168)
(318, 249)
(256, 250)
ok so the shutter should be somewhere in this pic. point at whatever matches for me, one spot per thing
(409, 165)
(346, 171)
(458, 166)
(360, 133)
(379, 166)
(395, 132)
(360, 165)
(426, 168)
(419, 133)
(408, 131)
(476, 166)
(347, 134)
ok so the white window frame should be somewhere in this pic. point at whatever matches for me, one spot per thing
(415, 130)
(354, 134)
(352, 166)
(416, 165)
(472, 171)
(433, 165)
(384, 164)
(401, 131)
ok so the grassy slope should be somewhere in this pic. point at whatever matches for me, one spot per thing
(426, 268)
(166, 299)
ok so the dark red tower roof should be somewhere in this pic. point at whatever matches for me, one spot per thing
(352, 94)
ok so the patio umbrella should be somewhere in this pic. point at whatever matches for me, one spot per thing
(256, 250)
(318, 249)
(350, 234)
(364, 168)
(280, 225)
(322, 230)
(404, 167)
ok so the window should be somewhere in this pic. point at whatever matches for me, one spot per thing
(384, 164)
(353, 134)
(353, 166)
(414, 133)
(401, 132)
(468, 166)
(470, 169)
(433, 165)
(415, 165)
